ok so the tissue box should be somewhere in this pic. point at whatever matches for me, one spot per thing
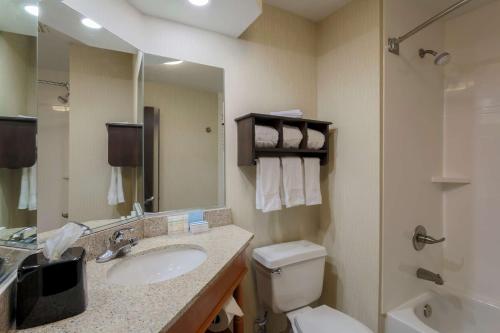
(51, 291)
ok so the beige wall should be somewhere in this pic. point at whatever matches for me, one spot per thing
(101, 91)
(53, 137)
(412, 151)
(349, 96)
(17, 82)
(472, 141)
(188, 154)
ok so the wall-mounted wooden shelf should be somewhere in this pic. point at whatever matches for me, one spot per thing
(451, 180)
(18, 142)
(124, 144)
(248, 153)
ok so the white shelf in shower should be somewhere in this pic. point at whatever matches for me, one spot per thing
(451, 180)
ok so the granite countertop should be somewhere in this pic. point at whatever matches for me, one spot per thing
(154, 307)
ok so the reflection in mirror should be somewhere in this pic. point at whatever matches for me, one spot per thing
(183, 135)
(18, 123)
(89, 139)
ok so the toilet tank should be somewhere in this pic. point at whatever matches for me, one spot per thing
(289, 275)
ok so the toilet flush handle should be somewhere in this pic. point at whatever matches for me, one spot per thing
(276, 271)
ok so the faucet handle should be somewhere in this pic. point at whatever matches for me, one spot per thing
(420, 238)
(118, 234)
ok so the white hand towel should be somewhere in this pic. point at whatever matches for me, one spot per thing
(311, 181)
(32, 203)
(27, 193)
(315, 139)
(294, 113)
(293, 181)
(267, 187)
(292, 136)
(266, 137)
(115, 192)
(25, 189)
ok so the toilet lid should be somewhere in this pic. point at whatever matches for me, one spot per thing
(324, 319)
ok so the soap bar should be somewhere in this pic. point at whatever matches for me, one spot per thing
(177, 224)
(197, 227)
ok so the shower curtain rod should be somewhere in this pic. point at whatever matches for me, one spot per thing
(394, 42)
(54, 83)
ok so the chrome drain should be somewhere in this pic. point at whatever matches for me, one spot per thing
(427, 311)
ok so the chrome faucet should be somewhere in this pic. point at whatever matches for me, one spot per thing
(118, 245)
(19, 235)
(429, 276)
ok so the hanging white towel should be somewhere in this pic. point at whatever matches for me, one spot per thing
(311, 181)
(267, 184)
(27, 193)
(293, 181)
(115, 192)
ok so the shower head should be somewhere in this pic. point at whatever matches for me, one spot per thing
(63, 99)
(440, 59)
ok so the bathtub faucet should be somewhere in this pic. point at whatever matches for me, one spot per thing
(429, 276)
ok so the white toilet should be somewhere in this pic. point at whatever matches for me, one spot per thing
(289, 277)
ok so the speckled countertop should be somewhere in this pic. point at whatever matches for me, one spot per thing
(154, 307)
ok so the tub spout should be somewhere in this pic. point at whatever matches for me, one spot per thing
(429, 276)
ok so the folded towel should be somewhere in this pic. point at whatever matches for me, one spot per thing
(315, 139)
(292, 137)
(311, 181)
(115, 192)
(294, 113)
(267, 184)
(27, 194)
(293, 181)
(266, 137)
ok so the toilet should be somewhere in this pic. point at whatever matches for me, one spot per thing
(289, 278)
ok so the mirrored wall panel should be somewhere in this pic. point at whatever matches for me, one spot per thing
(183, 135)
(18, 122)
(89, 136)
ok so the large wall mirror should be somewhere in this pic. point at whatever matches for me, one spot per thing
(18, 121)
(183, 135)
(88, 156)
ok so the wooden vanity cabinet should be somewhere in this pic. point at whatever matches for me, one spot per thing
(205, 308)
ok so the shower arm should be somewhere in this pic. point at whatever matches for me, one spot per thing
(394, 42)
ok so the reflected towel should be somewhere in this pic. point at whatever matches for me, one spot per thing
(293, 181)
(311, 181)
(115, 192)
(27, 193)
(267, 184)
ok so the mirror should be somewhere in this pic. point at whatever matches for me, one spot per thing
(18, 120)
(183, 135)
(89, 137)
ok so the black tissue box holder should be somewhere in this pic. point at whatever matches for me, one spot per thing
(51, 291)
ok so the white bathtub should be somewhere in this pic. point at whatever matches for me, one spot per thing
(450, 314)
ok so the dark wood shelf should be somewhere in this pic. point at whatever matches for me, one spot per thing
(18, 142)
(248, 153)
(124, 144)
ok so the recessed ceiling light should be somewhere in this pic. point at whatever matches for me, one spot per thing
(173, 62)
(91, 23)
(199, 3)
(31, 9)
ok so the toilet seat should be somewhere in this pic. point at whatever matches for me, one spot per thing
(324, 319)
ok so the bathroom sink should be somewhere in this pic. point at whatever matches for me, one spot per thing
(157, 265)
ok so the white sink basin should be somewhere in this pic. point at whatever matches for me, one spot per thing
(156, 266)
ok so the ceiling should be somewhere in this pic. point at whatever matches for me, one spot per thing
(62, 27)
(314, 10)
(13, 17)
(229, 17)
(187, 74)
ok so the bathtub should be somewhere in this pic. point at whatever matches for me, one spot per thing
(446, 313)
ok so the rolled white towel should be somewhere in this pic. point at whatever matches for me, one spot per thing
(292, 137)
(315, 139)
(266, 137)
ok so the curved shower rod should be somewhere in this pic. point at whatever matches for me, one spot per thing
(394, 42)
